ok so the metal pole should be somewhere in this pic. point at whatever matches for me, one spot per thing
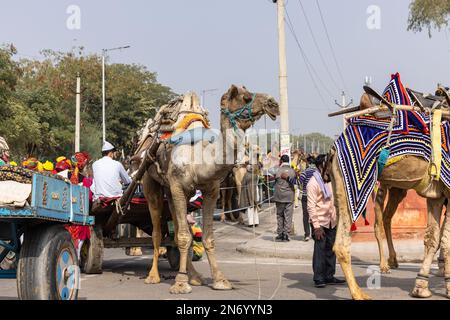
(77, 114)
(284, 114)
(344, 123)
(103, 96)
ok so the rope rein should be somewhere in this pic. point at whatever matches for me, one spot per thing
(239, 114)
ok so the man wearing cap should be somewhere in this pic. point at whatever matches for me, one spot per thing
(109, 175)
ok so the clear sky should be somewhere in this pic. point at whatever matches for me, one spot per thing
(210, 44)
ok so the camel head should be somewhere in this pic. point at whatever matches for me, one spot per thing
(242, 108)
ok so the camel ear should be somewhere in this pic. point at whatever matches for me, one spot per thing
(233, 92)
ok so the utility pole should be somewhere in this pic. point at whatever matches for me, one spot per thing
(344, 105)
(104, 51)
(284, 114)
(77, 114)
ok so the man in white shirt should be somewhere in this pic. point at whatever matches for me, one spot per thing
(109, 175)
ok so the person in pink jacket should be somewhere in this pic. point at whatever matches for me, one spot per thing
(322, 216)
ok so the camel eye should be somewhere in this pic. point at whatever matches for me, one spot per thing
(247, 99)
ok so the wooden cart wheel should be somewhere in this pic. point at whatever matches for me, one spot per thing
(91, 254)
(48, 265)
(173, 256)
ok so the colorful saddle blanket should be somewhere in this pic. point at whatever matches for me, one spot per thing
(358, 148)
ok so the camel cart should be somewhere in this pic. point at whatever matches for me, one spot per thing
(108, 232)
(35, 246)
(131, 209)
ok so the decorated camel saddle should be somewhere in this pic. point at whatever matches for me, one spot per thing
(181, 121)
(384, 129)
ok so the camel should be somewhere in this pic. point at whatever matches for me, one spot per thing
(175, 171)
(238, 173)
(408, 173)
(385, 214)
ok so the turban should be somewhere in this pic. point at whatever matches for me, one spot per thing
(63, 165)
(59, 159)
(80, 160)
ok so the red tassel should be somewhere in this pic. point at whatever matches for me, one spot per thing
(366, 222)
(353, 228)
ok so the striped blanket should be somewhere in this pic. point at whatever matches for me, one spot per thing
(358, 148)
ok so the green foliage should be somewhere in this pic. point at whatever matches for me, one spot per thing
(428, 14)
(315, 142)
(37, 100)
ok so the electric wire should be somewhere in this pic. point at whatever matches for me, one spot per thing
(305, 59)
(331, 46)
(317, 46)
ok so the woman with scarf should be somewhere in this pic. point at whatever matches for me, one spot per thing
(322, 216)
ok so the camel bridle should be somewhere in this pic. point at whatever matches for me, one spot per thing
(244, 113)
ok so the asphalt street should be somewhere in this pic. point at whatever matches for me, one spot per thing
(253, 277)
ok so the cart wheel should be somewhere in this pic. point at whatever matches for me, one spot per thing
(48, 265)
(91, 254)
(173, 256)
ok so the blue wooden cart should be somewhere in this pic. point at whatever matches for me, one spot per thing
(35, 239)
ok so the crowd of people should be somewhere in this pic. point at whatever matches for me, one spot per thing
(319, 213)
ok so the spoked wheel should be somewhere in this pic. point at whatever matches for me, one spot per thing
(48, 265)
(91, 253)
(65, 274)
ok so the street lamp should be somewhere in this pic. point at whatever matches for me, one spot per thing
(204, 94)
(104, 51)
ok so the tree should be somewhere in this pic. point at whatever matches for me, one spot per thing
(44, 92)
(428, 14)
(315, 142)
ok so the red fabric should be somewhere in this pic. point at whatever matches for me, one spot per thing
(78, 233)
(138, 200)
(87, 182)
(63, 165)
(353, 228)
(84, 232)
(107, 201)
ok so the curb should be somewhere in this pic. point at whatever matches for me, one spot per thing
(287, 253)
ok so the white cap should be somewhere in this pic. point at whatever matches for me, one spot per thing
(107, 146)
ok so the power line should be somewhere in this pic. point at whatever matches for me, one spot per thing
(309, 66)
(305, 59)
(317, 46)
(331, 46)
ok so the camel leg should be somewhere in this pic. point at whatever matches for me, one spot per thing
(137, 251)
(154, 195)
(396, 196)
(445, 250)
(209, 200)
(441, 262)
(379, 229)
(195, 278)
(184, 238)
(223, 194)
(431, 241)
(343, 236)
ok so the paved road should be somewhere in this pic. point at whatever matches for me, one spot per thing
(252, 277)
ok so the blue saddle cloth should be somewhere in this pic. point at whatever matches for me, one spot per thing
(192, 136)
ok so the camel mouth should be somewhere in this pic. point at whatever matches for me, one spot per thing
(272, 109)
